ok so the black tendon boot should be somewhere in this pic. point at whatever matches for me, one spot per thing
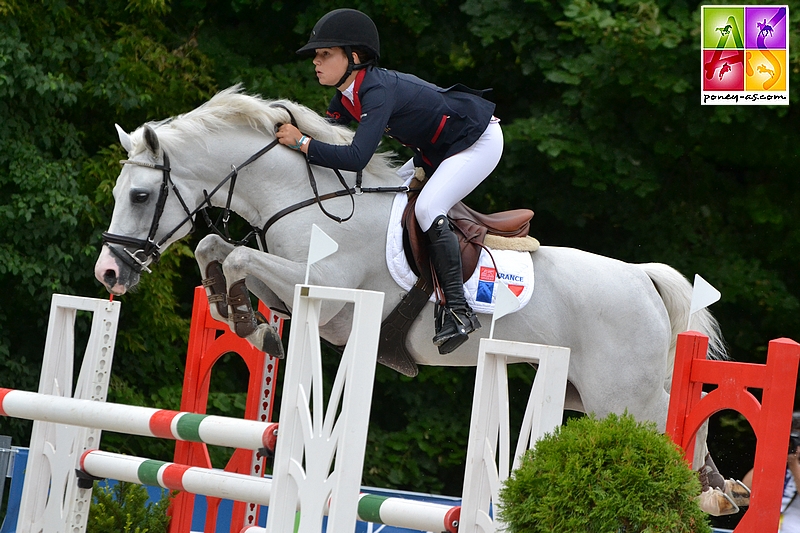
(455, 320)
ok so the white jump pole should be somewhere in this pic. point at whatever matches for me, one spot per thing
(204, 481)
(136, 420)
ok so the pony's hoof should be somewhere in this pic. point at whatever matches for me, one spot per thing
(267, 340)
(716, 503)
(738, 492)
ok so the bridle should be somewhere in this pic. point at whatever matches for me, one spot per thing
(140, 253)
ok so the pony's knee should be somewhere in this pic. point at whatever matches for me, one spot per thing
(210, 248)
(236, 263)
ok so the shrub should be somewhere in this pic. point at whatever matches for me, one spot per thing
(604, 476)
(123, 508)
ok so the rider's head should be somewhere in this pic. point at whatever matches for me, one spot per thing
(351, 30)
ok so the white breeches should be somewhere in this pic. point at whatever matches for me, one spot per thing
(458, 175)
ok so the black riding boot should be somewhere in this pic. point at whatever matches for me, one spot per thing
(455, 320)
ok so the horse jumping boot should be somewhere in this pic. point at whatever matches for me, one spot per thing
(454, 320)
(250, 324)
(214, 283)
(241, 310)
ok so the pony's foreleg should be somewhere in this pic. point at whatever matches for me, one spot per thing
(276, 275)
(210, 254)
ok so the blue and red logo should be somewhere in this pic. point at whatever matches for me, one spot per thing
(488, 276)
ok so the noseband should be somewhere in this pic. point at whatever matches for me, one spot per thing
(147, 250)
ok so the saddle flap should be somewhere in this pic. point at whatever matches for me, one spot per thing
(471, 229)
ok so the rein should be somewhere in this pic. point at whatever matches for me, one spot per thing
(149, 251)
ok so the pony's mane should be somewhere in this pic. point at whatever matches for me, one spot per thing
(230, 108)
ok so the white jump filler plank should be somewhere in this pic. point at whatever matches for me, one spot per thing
(487, 466)
(319, 456)
(51, 497)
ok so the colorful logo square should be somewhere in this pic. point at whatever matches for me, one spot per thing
(766, 70)
(765, 27)
(744, 55)
(722, 27)
(723, 70)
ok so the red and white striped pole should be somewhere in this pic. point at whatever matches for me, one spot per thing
(204, 481)
(136, 420)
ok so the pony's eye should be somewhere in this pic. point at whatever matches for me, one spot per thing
(139, 197)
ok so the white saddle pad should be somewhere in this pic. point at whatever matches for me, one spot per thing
(514, 268)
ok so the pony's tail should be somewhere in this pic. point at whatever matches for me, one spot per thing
(676, 293)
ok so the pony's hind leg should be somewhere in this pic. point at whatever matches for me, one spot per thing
(210, 254)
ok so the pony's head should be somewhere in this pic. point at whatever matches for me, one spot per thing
(161, 185)
(150, 212)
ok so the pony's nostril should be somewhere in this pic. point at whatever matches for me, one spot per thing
(110, 278)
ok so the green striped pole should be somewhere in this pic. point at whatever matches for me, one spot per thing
(204, 481)
(397, 512)
(136, 420)
(411, 514)
(400, 512)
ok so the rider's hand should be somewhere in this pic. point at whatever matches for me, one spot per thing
(290, 136)
(793, 462)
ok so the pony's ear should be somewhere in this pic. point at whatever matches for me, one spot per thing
(124, 138)
(151, 140)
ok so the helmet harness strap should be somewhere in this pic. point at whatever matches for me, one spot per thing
(351, 65)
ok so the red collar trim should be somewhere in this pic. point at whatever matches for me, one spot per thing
(354, 107)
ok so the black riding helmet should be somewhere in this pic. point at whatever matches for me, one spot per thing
(348, 29)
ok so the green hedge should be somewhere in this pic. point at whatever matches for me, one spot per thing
(604, 476)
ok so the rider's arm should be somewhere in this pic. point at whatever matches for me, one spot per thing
(375, 112)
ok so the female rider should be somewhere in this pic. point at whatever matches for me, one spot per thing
(456, 139)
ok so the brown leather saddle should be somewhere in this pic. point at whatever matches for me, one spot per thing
(471, 229)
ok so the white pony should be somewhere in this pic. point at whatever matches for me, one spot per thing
(620, 320)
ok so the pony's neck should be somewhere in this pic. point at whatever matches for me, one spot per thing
(273, 182)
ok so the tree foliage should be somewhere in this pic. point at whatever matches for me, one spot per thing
(124, 508)
(605, 139)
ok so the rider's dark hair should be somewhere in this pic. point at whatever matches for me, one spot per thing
(364, 55)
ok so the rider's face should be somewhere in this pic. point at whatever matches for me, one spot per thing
(330, 64)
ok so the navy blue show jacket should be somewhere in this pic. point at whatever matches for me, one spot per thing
(435, 122)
